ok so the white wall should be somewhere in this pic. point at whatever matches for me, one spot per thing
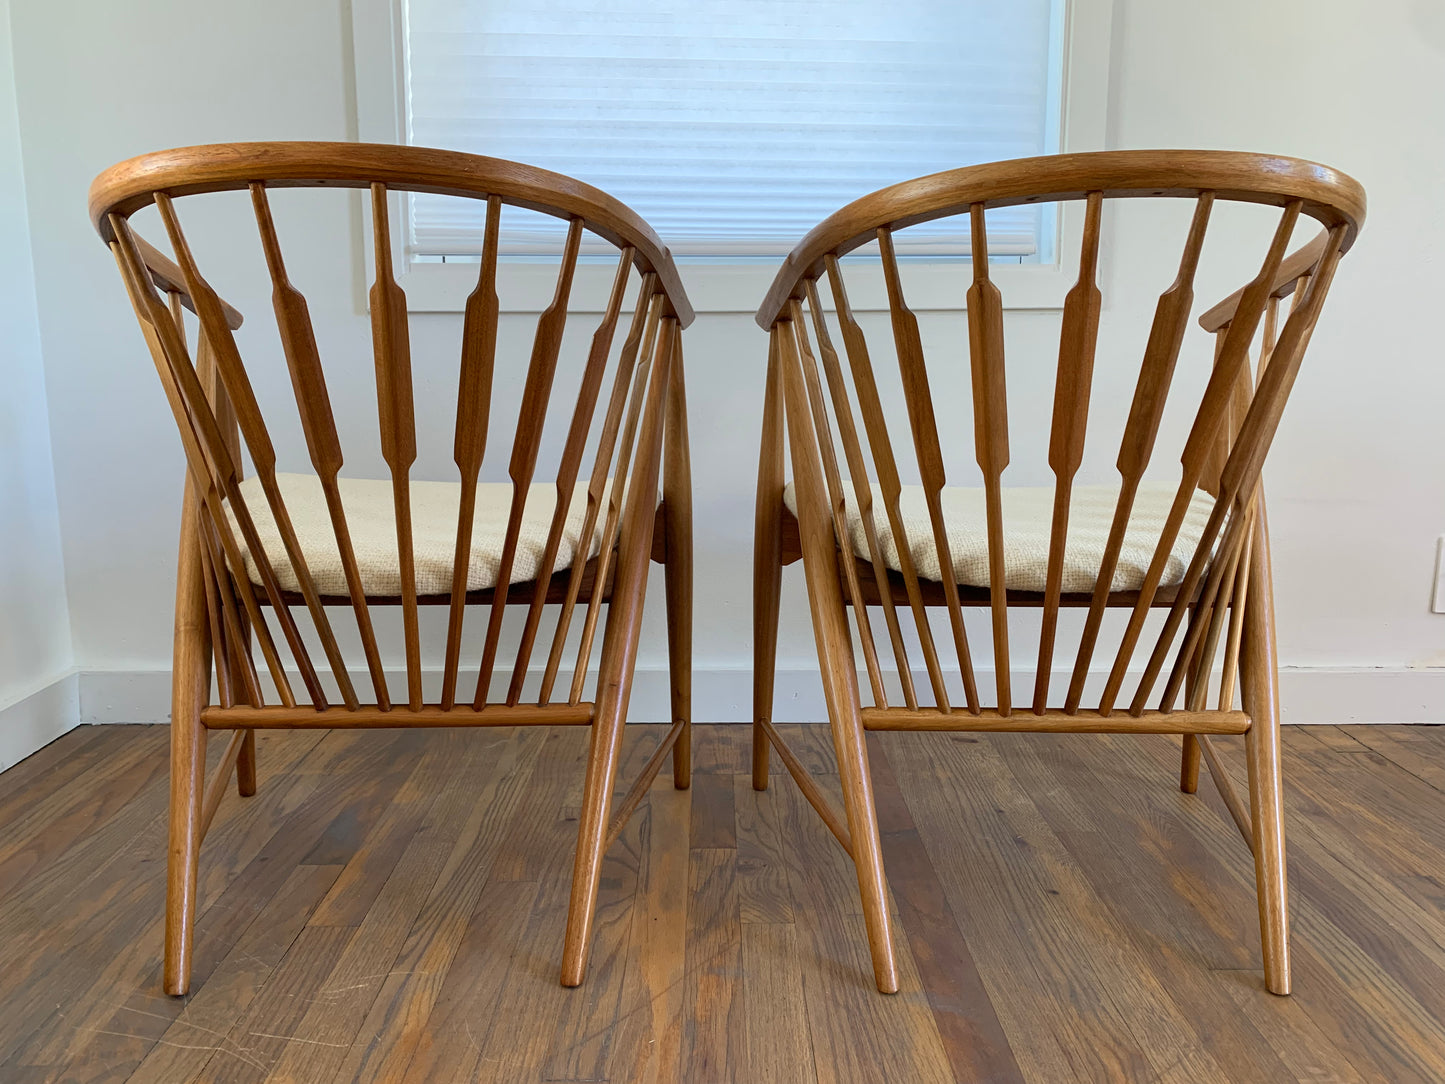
(35, 659)
(1357, 479)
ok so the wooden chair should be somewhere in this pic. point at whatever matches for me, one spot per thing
(284, 543)
(1201, 560)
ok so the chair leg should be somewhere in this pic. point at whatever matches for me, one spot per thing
(616, 667)
(850, 747)
(602, 756)
(767, 568)
(1189, 765)
(1260, 680)
(246, 766)
(1189, 762)
(190, 690)
(677, 498)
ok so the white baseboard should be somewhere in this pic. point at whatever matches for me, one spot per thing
(724, 695)
(36, 719)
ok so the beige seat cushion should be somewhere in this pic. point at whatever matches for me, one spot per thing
(1027, 517)
(371, 521)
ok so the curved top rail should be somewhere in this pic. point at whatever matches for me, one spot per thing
(1329, 196)
(128, 186)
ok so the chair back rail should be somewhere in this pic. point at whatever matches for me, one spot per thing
(1232, 423)
(211, 394)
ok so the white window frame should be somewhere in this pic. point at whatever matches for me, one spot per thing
(720, 284)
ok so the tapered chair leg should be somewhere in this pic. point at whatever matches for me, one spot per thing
(837, 666)
(190, 690)
(1260, 680)
(616, 667)
(767, 569)
(246, 766)
(677, 498)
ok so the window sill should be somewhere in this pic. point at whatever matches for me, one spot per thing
(931, 285)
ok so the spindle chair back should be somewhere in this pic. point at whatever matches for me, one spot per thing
(249, 556)
(1205, 569)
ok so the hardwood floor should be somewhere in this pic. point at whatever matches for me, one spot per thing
(390, 907)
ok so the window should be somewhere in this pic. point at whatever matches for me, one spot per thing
(732, 126)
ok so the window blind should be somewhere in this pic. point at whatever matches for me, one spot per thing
(732, 126)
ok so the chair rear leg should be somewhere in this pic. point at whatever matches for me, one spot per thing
(677, 506)
(1260, 680)
(246, 766)
(190, 690)
(767, 568)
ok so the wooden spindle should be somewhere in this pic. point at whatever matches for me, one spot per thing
(652, 343)
(216, 333)
(833, 482)
(474, 407)
(1233, 353)
(870, 405)
(648, 301)
(862, 489)
(391, 347)
(990, 427)
(318, 424)
(1077, 341)
(1156, 374)
(914, 374)
(546, 346)
(572, 449)
(1241, 472)
(208, 454)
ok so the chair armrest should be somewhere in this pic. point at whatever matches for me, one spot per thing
(1300, 262)
(168, 277)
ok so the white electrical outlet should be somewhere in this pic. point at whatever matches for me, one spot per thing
(1437, 604)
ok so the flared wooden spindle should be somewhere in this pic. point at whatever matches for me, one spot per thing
(249, 418)
(474, 408)
(391, 348)
(890, 486)
(914, 373)
(216, 333)
(546, 346)
(210, 458)
(648, 301)
(862, 490)
(1156, 374)
(990, 429)
(1241, 471)
(1072, 385)
(1233, 354)
(318, 424)
(577, 433)
(833, 482)
(652, 345)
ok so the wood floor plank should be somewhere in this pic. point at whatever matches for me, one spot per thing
(977, 1047)
(714, 1038)
(647, 1048)
(1025, 906)
(382, 1048)
(762, 860)
(775, 1020)
(857, 1034)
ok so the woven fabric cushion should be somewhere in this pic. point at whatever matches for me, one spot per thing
(1027, 519)
(371, 520)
